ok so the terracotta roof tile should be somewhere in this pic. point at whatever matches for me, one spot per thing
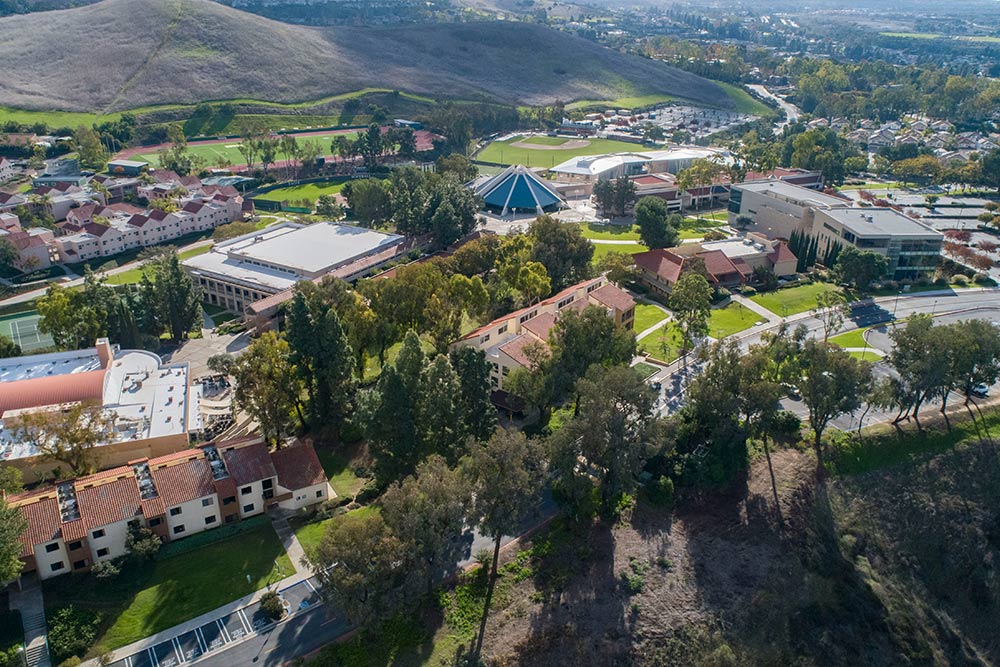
(106, 503)
(251, 463)
(515, 349)
(183, 482)
(298, 467)
(43, 524)
(613, 297)
(52, 390)
(664, 264)
(541, 325)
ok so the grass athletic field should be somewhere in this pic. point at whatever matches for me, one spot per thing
(549, 153)
(306, 192)
(228, 150)
(22, 328)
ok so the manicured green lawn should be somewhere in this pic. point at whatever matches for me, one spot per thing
(593, 230)
(793, 300)
(653, 343)
(306, 192)
(732, 319)
(311, 534)
(135, 275)
(193, 252)
(602, 249)
(336, 465)
(854, 338)
(146, 599)
(543, 140)
(646, 315)
(502, 152)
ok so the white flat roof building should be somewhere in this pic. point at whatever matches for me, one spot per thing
(615, 165)
(791, 193)
(865, 222)
(147, 399)
(251, 267)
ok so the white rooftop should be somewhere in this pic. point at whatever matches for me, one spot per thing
(308, 250)
(795, 193)
(54, 363)
(236, 270)
(597, 164)
(147, 399)
(737, 247)
(880, 222)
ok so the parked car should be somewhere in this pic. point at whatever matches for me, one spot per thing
(980, 391)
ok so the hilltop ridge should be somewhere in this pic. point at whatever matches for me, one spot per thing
(144, 52)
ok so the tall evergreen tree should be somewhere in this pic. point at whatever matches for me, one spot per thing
(178, 297)
(387, 417)
(438, 413)
(479, 417)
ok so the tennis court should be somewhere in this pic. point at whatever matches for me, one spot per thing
(22, 328)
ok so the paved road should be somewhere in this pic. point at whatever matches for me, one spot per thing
(792, 112)
(946, 306)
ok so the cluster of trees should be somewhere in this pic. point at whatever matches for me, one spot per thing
(166, 300)
(932, 361)
(849, 265)
(614, 197)
(416, 203)
(658, 227)
(373, 145)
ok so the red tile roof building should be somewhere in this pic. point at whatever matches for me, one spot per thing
(506, 340)
(79, 522)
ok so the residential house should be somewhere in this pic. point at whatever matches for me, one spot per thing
(6, 170)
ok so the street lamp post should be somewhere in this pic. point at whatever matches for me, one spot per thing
(895, 303)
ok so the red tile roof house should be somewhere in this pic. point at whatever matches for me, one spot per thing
(729, 263)
(506, 340)
(76, 523)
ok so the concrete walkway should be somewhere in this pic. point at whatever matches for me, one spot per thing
(291, 543)
(29, 602)
(755, 307)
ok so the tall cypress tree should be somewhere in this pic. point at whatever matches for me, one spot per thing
(479, 417)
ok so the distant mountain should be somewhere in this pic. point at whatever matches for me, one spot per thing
(26, 6)
(121, 54)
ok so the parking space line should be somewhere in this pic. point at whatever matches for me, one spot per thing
(178, 653)
(226, 638)
(247, 626)
(152, 657)
(201, 640)
(310, 586)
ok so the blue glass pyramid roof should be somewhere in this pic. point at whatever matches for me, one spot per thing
(517, 187)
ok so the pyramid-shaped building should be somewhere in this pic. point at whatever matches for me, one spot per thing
(517, 190)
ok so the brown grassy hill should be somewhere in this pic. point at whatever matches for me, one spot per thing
(120, 54)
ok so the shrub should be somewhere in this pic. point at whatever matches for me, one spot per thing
(631, 583)
(661, 492)
(941, 281)
(72, 632)
(890, 285)
(105, 569)
(747, 290)
(71, 661)
(982, 279)
(11, 657)
(142, 543)
(960, 280)
(272, 605)
(369, 492)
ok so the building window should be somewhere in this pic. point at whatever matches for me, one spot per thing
(155, 522)
(79, 565)
(230, 518)
(98, 534)
(319, 494)
(49, 548)
(209, 520)
(174, 511)
(57, 566)
(268, 484)
(484, 338)
(502, 330)
(73, 546)
(178, 529)
(205, 502)
(248, 508)
(229, 500)
(101, 553)
(246, 490)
